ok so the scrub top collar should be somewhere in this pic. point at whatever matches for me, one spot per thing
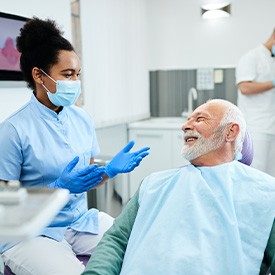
(47, 113)
(267, 51)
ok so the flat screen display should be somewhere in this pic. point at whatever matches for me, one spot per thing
(10, 26)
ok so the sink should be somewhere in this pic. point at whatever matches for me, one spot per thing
(168, 119)
(185, 115)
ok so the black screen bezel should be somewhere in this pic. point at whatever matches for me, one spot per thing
(12, 75)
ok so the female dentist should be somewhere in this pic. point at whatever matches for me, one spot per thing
(51, 143)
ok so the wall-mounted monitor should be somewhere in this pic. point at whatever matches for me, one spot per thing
(10, 26)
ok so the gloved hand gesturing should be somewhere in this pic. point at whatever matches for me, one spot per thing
(79, 181)
(124, 161)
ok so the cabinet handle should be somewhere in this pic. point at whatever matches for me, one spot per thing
(149, 135)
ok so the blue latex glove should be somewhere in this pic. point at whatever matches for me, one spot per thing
(124, 161)
(81, 180)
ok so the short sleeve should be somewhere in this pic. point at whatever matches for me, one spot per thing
(95, 147)
(246, 69)
(10, 153)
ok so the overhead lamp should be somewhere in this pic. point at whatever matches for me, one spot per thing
(215, 8)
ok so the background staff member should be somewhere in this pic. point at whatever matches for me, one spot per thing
(255, 77)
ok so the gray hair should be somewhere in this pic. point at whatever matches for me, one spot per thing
(233, 115)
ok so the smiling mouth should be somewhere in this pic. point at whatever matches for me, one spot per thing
(190, 139)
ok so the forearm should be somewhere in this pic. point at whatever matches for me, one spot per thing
(270, 249)
(108, 256)
(105, 179)
(269, 255)
(252, 87)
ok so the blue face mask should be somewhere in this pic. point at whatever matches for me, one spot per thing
(67, 91)
(273, 50)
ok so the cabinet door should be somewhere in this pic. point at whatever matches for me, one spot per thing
(159, 158)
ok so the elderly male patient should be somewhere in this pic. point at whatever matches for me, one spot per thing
(212, 216)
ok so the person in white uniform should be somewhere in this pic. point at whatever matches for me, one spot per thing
(255, 78)
(212, 216)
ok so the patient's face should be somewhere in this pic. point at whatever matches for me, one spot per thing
(202, 131)
(203, 145)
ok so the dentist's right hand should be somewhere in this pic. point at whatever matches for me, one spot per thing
(78, 181)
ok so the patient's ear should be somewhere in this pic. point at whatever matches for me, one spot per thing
(232, 132)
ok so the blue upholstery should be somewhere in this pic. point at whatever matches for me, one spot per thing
(247, 150)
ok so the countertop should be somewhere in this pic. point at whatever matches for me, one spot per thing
(171, 123)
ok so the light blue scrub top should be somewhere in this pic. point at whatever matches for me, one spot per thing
(36, 144)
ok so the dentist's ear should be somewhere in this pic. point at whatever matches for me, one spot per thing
(232, 132)
(37, 75)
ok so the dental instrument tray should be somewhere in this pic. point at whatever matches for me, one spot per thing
(12, 193)
(28, 218)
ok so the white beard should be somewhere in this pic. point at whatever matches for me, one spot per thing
(203, 145)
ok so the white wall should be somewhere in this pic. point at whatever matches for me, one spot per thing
(114, 60)
(179, 38)
(123, 36)
(14, 95)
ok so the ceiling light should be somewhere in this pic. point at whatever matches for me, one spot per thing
(215, 9)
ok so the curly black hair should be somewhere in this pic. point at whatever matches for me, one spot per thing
(39, 43)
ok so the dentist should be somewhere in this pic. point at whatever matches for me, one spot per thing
(51, 143)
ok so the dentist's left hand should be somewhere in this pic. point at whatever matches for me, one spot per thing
(124, 161)
(78, 181)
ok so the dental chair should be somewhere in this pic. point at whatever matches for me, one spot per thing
(247, 150)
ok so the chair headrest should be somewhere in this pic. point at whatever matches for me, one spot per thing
(247, 151)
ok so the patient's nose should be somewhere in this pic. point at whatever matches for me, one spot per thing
(187, 125)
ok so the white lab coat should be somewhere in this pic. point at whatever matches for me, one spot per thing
(259, 109)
